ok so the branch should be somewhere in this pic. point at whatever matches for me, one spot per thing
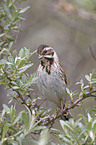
(80, 99)
(23, 101)
(66, 109)
(94, 57)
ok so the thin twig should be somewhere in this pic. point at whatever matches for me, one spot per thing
(41, 103)
(92, 53)
(81, 99)
(19, 95)
(59, 115)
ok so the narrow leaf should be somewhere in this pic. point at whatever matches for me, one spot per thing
(64, 123)
(20, 139)
(94, 126)
(15, 88)
(25, 120)
(6, 108)
(24, 68)
(17, 118)
(44, 137)
(24, 9)
(1, 34)
(5, 129)
(87, 77)
(7, 10)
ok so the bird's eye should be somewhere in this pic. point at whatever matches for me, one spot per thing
(45, 51)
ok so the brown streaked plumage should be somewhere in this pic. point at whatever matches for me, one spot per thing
(52, 80)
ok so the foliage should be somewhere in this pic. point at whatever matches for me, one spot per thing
(34, 120)
(10, 16)
(15, 127)
(82, 131)
(84, 9)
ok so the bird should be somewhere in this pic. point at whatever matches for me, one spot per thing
(52, 80)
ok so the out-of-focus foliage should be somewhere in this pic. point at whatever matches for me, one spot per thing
(83, 8)
(86, 4)
(76, 132)
(16, 127)
(82, 131)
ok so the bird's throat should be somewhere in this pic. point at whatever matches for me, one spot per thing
(47, 64)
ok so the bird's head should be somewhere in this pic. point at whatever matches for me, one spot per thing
(46, 52)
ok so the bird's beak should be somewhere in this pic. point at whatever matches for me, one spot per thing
(40, 56)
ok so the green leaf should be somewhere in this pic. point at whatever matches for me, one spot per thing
(14, 83)
(20, 139)
(13, 113)
(15, 88)
(2, 62)
(64, 123)
(87, 77)
(6, 27)
(7, 10)
(10, 44)
(65, 139)
(91, 135)
(10, 2)
(5, 129)
(83, 132)
(83, 117)
(11, 59)
(44, 137)
(3, 78)
(24, 52)
(4, 50)
(16, 20)
(89, 117)
(7, 109)
(24, 9)
(24, 79)
(9, 37)
(81, 126)
(68, 91)
(30, 116)
(1, 44)
(17, 60)
(25, 120)
(1, 34)
(24, 68)
(89, 125)
(86, 87)
(3, 112)
(17, 118)
(94, 126)
(21, 18)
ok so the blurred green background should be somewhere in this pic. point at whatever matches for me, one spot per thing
(70, 28)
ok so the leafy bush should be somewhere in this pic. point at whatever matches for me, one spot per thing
(82, 131)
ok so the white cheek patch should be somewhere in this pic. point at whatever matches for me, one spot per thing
(48, 56)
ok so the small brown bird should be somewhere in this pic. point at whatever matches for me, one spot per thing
(52, 80)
